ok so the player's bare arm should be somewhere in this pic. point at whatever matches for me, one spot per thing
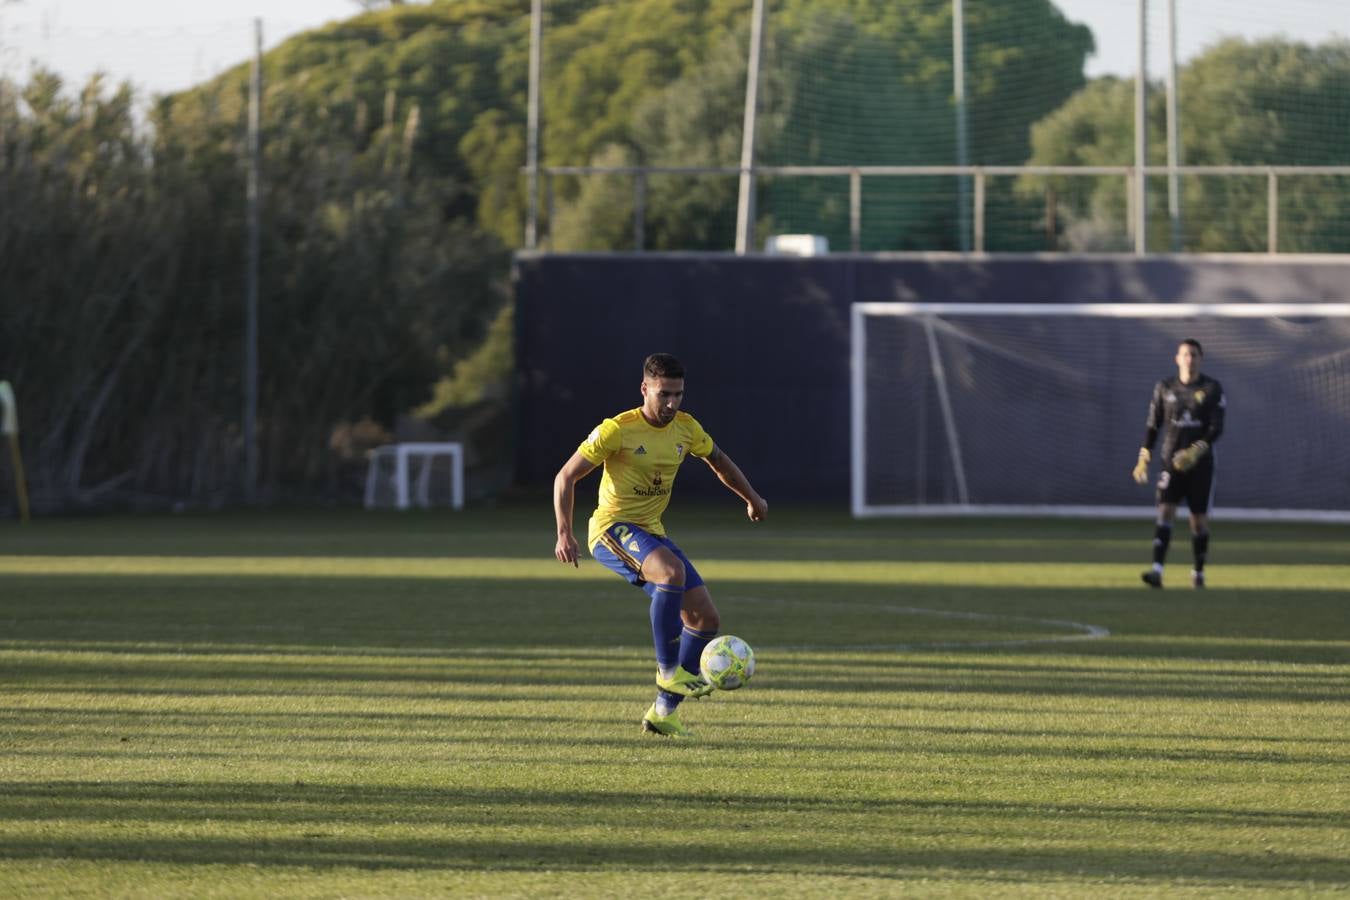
(564, 497)
(730, 474)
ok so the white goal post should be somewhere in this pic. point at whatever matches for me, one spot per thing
(390, 480)
(9, 427)
(1038, 409)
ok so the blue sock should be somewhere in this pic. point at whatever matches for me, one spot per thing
(666, 702)
(691, 647)
(666, 623)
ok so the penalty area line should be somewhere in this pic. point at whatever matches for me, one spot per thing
(1083, 631)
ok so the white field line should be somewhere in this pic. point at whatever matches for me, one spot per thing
(1085, 632)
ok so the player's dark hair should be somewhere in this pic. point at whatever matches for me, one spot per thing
(662, 365)
(1194, 343)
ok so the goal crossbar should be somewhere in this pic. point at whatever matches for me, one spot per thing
(1110, 310)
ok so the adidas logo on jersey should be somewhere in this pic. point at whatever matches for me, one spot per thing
(640, 451)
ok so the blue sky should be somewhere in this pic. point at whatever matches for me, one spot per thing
(166, 45)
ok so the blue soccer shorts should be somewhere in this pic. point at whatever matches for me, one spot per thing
(623, 546)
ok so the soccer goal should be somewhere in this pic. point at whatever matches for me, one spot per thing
(427, 474)
(1039, 409)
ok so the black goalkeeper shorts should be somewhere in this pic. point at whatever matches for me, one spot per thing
(1195, 486)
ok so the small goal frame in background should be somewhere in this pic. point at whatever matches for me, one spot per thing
(404, 457)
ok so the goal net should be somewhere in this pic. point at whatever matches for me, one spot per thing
(1039, 409)
(424, 474)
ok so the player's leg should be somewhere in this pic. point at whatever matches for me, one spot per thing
(701, 622)
(1198, 498)
(698, 625)
(663, 573)
(644, 560)
(1162, 538)
(697, 612)
(690, 629)
(1169, 485)
(641, 559)
(1199, 548)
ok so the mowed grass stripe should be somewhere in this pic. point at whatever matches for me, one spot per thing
(973, 574)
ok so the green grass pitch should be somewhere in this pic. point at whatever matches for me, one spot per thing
(426, 704)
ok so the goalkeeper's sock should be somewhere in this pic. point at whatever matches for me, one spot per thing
(1200, 548)
(1162, 536)
(666, 624)
(691, 647)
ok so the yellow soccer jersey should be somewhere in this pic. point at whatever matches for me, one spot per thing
(641, 461)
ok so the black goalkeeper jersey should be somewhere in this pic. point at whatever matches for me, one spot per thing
(1185, 413)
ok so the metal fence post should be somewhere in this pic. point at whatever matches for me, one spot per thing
(549, 210)
(253, 191)
(855, 209)
(979, 210)
(1141, 136)
(745, 207)
(639, 209)
(532, 125)
(1173, 130)
(1130, 199)
(1272, 212)
(962, 144)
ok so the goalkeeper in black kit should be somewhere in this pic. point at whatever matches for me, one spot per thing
(1189, 410)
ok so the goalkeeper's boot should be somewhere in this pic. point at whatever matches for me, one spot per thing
(1152, 578)
(684, 683)
(666, 726)
(1197, 580)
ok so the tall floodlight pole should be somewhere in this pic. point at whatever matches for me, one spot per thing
(1173, 130)
(251, 274)
(532, 126)
(959, 92)
(1141, 137)
(745, 206)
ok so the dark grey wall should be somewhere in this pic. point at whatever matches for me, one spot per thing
(766, 340)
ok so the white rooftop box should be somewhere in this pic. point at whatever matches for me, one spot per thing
(797, 244)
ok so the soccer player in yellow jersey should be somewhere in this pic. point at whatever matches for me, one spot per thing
(641, 451)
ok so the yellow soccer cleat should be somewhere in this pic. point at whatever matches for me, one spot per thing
(684, 683)
(666, 726)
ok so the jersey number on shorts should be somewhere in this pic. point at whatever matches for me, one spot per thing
(621, 532)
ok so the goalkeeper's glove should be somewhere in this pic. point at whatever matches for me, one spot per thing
(1141, 468)
(1184, 460)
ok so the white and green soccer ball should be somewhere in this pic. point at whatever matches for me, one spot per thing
(727, 662)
